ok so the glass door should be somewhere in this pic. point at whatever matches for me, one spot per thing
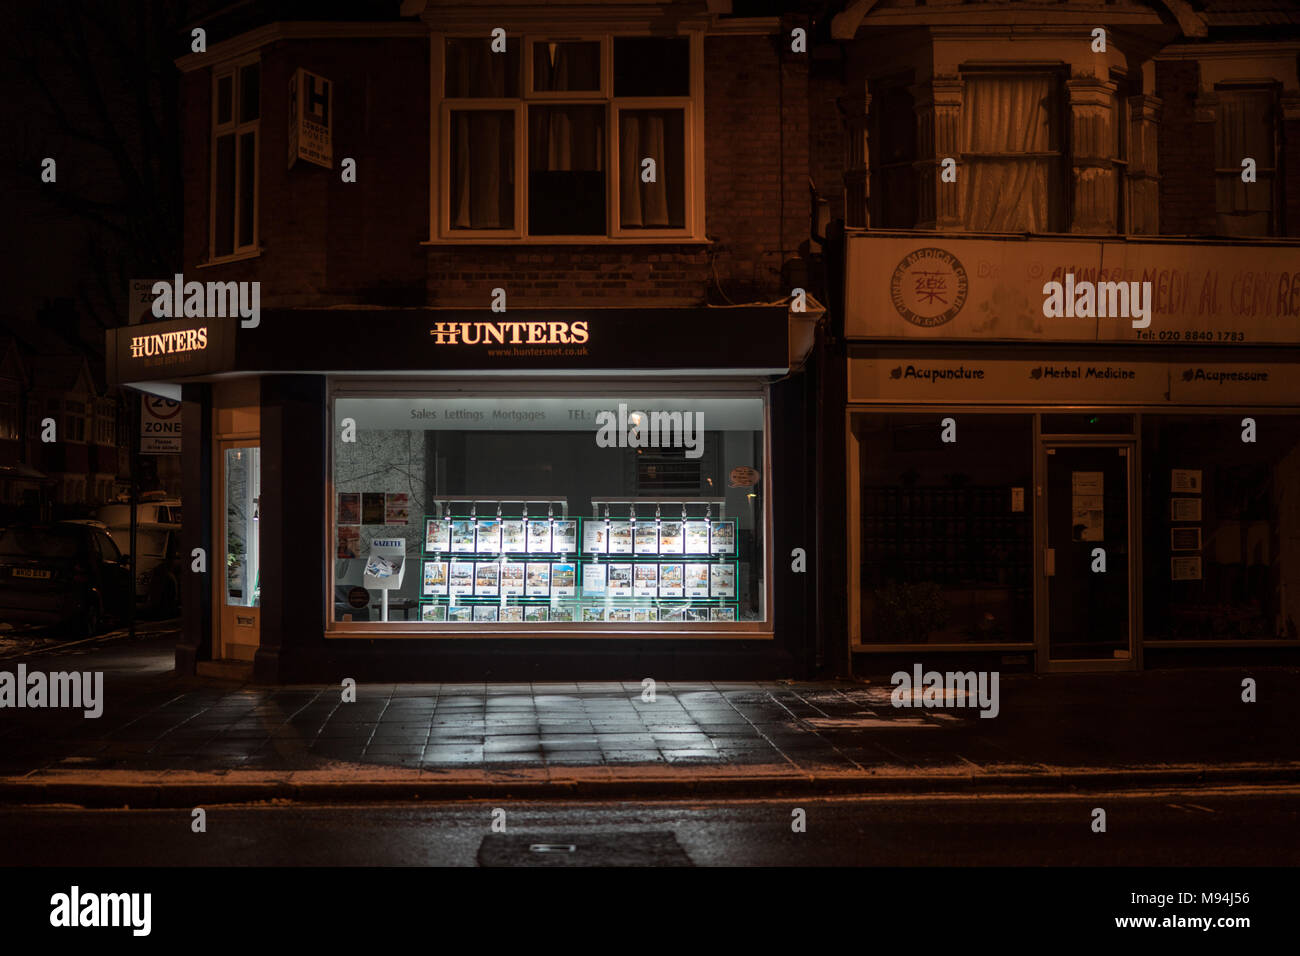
(1087, 556)
(240, 572)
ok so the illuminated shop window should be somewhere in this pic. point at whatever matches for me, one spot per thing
(620, 513)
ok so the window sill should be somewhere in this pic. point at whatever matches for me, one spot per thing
(570, 241)
(237, 257)
(996, 646)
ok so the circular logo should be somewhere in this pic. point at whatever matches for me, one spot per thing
(358, 597)
(162, 407)
(929, 287)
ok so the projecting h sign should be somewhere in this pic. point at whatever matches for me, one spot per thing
(311, 119)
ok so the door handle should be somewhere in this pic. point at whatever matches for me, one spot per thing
(1049, 562)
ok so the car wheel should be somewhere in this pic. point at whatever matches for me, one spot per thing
(90, 620)
(172, 598)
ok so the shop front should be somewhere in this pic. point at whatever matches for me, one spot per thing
(1071, 493)
(438, 494)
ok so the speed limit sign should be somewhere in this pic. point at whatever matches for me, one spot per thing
(160, 426)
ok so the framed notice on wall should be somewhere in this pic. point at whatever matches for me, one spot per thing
(1185, 509)
(1185, 569)
(1185, 480)
(1185, 539)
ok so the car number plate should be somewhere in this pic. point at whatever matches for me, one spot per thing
(31, 573)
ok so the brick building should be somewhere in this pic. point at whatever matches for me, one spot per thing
(87, 466)
(1081, 489)
(524, 359)
(499, 247)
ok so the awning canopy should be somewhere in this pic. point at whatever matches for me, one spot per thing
(743, 340)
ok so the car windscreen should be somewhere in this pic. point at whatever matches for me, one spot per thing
(152, 544)
(114, 515)
(41, 543)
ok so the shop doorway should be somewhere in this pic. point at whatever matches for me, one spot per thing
(238, 521)
(1088, 559)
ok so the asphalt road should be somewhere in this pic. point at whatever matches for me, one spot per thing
(1220, 827)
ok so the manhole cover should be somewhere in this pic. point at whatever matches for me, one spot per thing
(637, 848)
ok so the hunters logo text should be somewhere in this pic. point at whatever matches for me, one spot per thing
(509, 333)
(167, 343)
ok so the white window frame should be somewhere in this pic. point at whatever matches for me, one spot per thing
(105, 424)
(70, 415)
(692, 106)
(233, 127)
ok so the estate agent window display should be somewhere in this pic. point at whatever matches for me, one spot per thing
(525, 513)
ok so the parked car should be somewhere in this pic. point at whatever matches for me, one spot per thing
(67, 574)
(152, 508)
(157, 566)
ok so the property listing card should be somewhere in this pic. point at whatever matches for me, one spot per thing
(435, 578)
(620, 580)
(646, 539)
(595, 538)
(539, 535)
(697, 580)
(620, 537)
(671, 539)
(437, 534)
(512, 536)
(697, 537)
(565, 538)
(645, 580)
(462, 577)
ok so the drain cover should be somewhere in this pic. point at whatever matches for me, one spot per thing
(636, 848)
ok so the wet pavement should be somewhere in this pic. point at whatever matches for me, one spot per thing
(155, 722)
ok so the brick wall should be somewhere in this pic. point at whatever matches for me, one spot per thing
(756, 156)
(1186, 153)
(598, 275)
(826, 135)
(325, 241)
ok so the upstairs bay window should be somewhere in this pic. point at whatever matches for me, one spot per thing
(1012, 126)
(564, 138)
(1245, 127)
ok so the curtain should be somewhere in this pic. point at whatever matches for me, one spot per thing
(1008, 114)
(474, 70)
(566, 66)
(566, 139)
(482, 174)
(482, 141)
(657, 135)
(1243, 128)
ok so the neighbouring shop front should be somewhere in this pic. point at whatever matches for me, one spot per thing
(1072, 493)
(438, 494)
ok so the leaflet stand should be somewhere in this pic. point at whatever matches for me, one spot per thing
(392, 550)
